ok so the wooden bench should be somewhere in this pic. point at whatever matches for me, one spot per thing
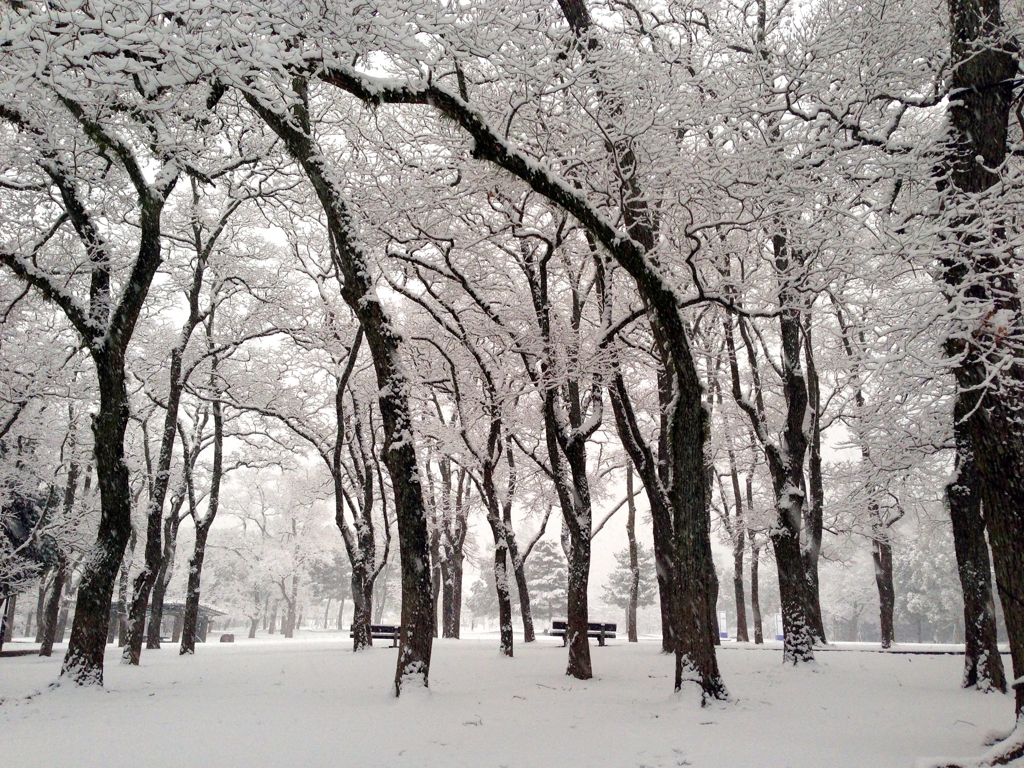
(594, 629)
(380, 632)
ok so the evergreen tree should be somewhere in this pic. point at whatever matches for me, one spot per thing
(616, 590)
(548, 574)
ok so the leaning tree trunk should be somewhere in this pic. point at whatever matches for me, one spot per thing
(983, 666)
(417, 633)
(163, 577)
(190, 623)
(52, 609)
(685, 413)
(519, 572)
(153, 557)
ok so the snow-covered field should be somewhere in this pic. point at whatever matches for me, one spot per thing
(312, 702)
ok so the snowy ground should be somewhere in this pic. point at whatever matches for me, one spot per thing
(312, 702)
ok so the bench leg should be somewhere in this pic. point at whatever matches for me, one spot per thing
(600, 640)
(565, 638)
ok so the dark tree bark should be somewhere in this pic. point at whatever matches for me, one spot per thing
(7, 629)
(52, 609)
(984, 65)
(983, 665)
(41, 603)
(814, 509)
(417, 634)
(516, 558)
(755, 597)
(190, 618)
(452, 564)
(122, 592)
(634, 562)
(738, 536)
(435, 572)
(272, 628)
(163, 576)
(881, 555)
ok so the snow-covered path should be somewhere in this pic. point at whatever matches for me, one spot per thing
(312, 702)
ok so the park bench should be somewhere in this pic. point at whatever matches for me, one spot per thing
(380, 632)
(594, 629)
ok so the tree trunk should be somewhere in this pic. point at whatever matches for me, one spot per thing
(41, 607)
(449, 628)
(578, 616)
(881, 554)
(435, 572)
(254, 622)
(519, 571)
(982, 271)
(83, 662)
(417, 633)
(737, 583)
(154, 552)
(163, 579)
(52, 610)
(738, 533)
(62, 621)
(755, 599)
(983, 666)
(291, 602)
(122, 593)
(786, 465)
(189, 626)
(190, 620)
(7, 631)
(634, 561)
(814, 509)
(574, 497)
(362, 608)
(504, 600)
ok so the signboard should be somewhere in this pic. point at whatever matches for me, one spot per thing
(723, 625)
(778, 627)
